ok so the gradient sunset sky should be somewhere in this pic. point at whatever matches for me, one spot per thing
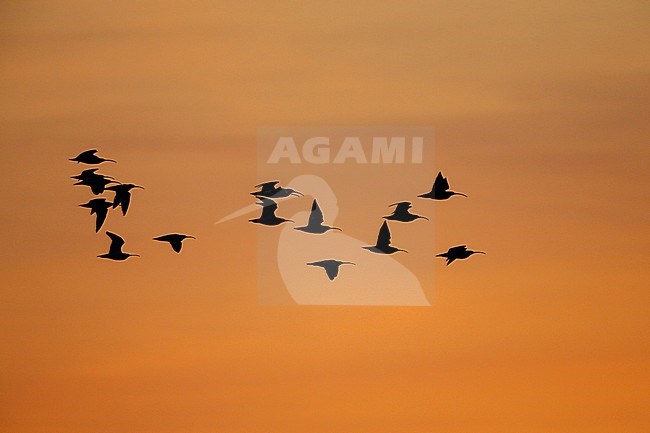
(541, 116)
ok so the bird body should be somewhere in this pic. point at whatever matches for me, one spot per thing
(98, 206)
(89, 174)
(123, 195)
(459, 252)
(96, 182)
(440, 189)
(115, 250)
(402, 213)
(174, 239)
(90, 157)
(315, 223)
(268, 217)
(273, 190)
(383, 245)
(331, 266)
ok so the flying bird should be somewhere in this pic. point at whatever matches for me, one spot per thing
(89, 157)
(268, 217)
(331, 266)
(440, 189)
(123, 195)
(175, 240)
(402, 214)
(96, 182)
(115, 250)
(383, 245)
(315, 223)
(90, 174)
(459, 252)
(273, 190)
(98, 206)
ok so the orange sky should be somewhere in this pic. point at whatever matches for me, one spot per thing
(540, 111)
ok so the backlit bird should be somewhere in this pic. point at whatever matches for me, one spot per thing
(402, 214)
(89, 157)
(331, 266)
(383, 245)
(175, 240)
(96, 182)
(315, 223)
(440, 189)
(459, 252)
(268, 217)
(89, 174)
(274, 191)
(115, 250)
(98, 206)
(122, 195)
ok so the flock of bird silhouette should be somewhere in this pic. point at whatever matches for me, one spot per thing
(270, 191)
(98, 184)
(267, 195)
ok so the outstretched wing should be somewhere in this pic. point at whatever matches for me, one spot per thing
(266, 186)
(116, 243)
(383, 240)
(332, 270)
(402, 206)
(316, 215)
(269, 207)
(125, 199)
(87, 153)
(441, 183)
(101, 212)
(176, 244)
(458, 249)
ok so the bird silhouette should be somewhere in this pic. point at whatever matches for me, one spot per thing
(115, 250)
(123, 195)
(268, 217)
(315, 223)
(274, 191)
(331, 266)
(459, 252)
(440, 189)
(175, 240)
(96, 182)
(383, 245)
(98, 206)
(89, 157)
(402, 214)
(90, 174)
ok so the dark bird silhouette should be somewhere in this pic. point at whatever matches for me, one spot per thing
(315, 224)
(268, 217)
(96, 182)
(331, 266)
(274, 191)
(89, 157)
(98, 206)
(440, 189)
(383, 245)
(175, 240)
(90, 174)
(115, 250)
(123, 195)
(459, 252)
(402, 214)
